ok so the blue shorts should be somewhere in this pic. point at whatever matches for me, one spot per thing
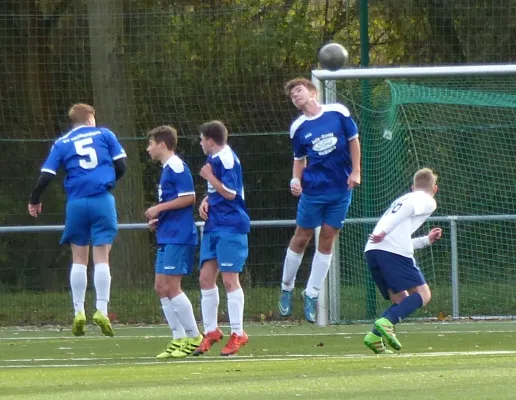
(229, 249)
(331, 209)
(175, 259)
(394, 272)
(91, 220)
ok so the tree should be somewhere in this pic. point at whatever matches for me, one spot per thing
(114, 99)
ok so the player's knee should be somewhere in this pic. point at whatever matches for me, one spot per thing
(231, 282)
(300, 240)
(426, 296)
(161, 289)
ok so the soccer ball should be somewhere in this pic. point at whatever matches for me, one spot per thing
(333, 56)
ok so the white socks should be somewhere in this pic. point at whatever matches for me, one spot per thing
(184, 312)
(102, 281)
(290, 268)
(210, 308)
(78, 283)
(320, 267)
(236, 311)
(178, 332)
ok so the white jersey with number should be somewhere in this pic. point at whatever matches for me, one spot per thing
(405, 215)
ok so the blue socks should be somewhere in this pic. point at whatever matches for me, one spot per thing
(383, 315)
(405, 308)
(397, 312)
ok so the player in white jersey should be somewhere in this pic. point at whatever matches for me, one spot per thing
(389, 255)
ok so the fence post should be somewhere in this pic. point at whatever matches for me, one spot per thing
(454, 268)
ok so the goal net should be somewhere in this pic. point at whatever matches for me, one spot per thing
(463, 128)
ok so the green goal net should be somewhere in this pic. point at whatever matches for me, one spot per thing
(464, 129)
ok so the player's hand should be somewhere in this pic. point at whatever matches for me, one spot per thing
(295, 187)
(206, 171)
(35, 209)
(153, 224)
(377, 238)
(354, 179)
(152, 212)
(203, 209)
(435, 234)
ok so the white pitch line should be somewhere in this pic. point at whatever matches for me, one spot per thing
(246, 359)
(131, 337)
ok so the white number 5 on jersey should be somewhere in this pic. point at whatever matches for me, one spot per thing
(81, 148)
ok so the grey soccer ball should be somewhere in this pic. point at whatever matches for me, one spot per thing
(333, 56)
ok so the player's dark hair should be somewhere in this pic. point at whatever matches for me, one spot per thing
(80, 113)
(164, 134)
(298, 82)
(216, 131)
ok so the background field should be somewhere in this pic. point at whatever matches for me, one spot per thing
(473, 360)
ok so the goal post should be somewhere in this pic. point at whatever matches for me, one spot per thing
(459, 121)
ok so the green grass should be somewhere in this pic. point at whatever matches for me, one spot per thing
(142, 306)
(474, 360)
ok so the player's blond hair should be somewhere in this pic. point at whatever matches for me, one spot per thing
(80, 113)
(425, 179)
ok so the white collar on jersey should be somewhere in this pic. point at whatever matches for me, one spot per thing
(175, 164)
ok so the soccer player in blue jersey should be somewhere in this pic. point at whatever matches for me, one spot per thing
(93, 161)
(224, 245)
(176, 235)
(325, 171)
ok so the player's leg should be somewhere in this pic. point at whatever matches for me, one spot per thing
(232, 252)
(103, 230)
(102, 283)
(78, 284)
(293, 258)
(161, 287)
(209, 293)
(309, 216)
(76, 233)
(333, 210)
(177, 262)
(402, 276)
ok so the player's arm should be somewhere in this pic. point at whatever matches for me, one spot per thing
(48, 171)
(424, 241)
(44, 179)
(355, 152)
(396, 214)
(120, 165)
(179, 202)
(117, 153)
(297, 172)
(299, 163)
(223, 190)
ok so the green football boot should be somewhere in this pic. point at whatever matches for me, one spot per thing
(174, 345)
(376, 344)
(103, 323)
(79, 324)
(188, 347)
(386, 328)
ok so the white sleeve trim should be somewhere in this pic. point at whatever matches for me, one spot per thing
(185, 194)
(229, 190)
(48, 170)
(353, 137)
(299, 158)
(118, 157)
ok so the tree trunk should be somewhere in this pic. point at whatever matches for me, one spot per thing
(115, 104)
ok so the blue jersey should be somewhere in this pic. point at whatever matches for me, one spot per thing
(323, 139)
(176, 226)
(87, 155)
(227, 215)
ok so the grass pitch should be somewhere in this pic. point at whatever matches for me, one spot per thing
(473, 360)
